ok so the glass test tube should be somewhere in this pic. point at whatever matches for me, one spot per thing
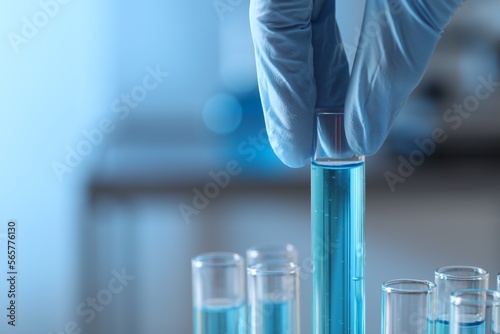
(218, 294)
(337, 200)
(498, 282)
(475, 311)
(408, 306)
(450, 279)
(273, 295)
(271, 252)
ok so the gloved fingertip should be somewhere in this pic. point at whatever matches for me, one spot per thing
(294, 162)
(369, 148)
(363, 139)
(363, 147)
(291, 157)
(292, 154)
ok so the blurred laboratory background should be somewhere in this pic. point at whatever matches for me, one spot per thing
(132, 139)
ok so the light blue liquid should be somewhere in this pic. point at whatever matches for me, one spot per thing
(338, 249)
(220, 320)
(272, 318)
(442, 327)
(477, 327)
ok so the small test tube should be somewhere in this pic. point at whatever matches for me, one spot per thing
(475, 311)
(449, 280)
(273, 296)
(498, 282)
(218, 294)
(273, 289)
(408, 306)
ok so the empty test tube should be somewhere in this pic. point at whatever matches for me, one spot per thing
(408, 307)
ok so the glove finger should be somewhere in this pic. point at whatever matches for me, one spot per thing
(331, 69)
(301, 65)
(397, 40)
(281, 32)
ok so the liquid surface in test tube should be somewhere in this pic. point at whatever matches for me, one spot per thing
(338, 247)
(442, 327)
(273, 318)
(472, 327)
(219, 320)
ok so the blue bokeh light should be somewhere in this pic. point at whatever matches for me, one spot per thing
(222, 113)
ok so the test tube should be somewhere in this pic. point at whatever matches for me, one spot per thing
(273, 298)
(218, 294)
(498, 282)
(475, 311)
(337, 201)
(450, 279)
(271, 252)
(408, 306)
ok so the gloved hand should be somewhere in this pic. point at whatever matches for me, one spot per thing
(301, 65)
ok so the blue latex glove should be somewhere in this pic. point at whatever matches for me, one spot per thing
(301, 65)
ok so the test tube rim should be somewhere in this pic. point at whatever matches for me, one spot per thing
(387, 288)
(457, 298)
(288, 248)
(477, 273)
(286, 268)
(338, 164)
(334, 111)
(344, 156)
(232, 259)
